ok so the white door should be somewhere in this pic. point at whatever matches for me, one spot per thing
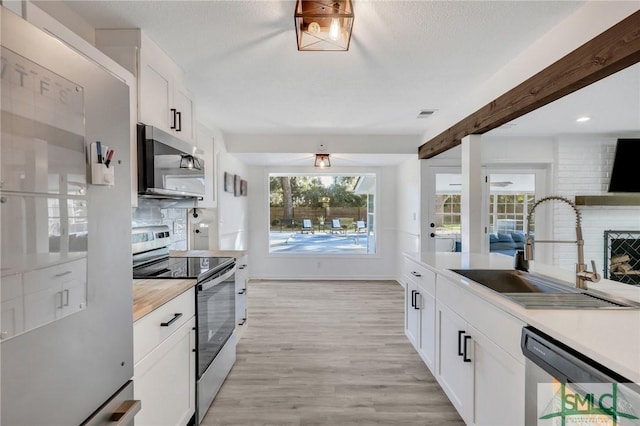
(441, 201)
(510, 195)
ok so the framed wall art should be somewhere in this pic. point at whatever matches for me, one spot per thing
(228, 182)
(243, 188)
(236, 185)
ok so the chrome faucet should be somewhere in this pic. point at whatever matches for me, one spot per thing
(582, 274)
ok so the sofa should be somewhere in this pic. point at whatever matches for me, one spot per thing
(505, 243)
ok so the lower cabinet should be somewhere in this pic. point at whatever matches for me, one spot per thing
(470, 346)
(483, 382)
(427, 347)
(164, 375)
(498, 384)
(242, 276)
(455, 368)
(412, 314)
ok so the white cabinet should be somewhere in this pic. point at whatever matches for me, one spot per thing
(11, 306)
(163, 100)
(420, 284)
(498, 384)
(479, 362)
(164, 363)
(455, 368)
(427, 347)
(412, 314)
(242, 276)
(54, 292)
(472, 347)
(484, 383)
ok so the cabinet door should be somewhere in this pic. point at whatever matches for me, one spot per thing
(154, 98)
(12, 320)
(498, 385)
(164, 380)
(412, 313)
(241, 290)
(42, 307)
(74, 297)
(427, 304)
(454, 374)
(184, 106)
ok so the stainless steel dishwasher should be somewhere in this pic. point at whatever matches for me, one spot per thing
(563, 387)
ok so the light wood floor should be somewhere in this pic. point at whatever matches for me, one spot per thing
(328, 353)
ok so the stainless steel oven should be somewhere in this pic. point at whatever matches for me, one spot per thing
(215, 312)
(562, 386)
(215, 305)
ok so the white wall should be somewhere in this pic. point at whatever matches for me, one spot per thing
(583, 167)
(381, 265)
(233, 212)
(408, 210)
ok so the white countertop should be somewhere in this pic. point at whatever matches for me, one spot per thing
(608, 336)
(33, 261)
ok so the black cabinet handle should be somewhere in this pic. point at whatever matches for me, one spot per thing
(179, 126)
(173, 123)
(242, 266)
(432, 235)
(432, 225)
(460, 333)
(417, 306)
(416, 274)
(171, 321)
(242, 291)
(243, 321)
(464, 357)
(413, 298)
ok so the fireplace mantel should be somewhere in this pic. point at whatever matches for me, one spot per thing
(608, 200)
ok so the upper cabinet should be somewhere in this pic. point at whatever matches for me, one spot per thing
(163, 100)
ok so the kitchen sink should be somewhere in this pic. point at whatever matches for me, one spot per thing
(535, 291)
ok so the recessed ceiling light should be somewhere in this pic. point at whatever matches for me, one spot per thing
(583, 119)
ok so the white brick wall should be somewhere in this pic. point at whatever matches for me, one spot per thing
(583, 167)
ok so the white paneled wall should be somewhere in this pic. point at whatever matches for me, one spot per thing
(583, 167)
(408, 210)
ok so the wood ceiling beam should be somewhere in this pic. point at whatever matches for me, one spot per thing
(613, 50)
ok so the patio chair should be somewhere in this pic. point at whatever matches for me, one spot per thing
(307, 226)
(361, 226)
(336, 226)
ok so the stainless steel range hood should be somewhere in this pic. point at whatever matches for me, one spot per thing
(608, 200)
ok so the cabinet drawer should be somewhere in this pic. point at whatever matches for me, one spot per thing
(44, 278)
(500, 327)
(148, 331)
(424, 277)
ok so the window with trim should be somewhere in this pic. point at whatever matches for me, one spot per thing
(322, 213)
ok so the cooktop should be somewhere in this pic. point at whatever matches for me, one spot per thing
(181, 267)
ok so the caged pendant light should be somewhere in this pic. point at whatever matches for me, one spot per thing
(322, 161)
(323, 25)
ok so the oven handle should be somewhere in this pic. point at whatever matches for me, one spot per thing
(217, 279)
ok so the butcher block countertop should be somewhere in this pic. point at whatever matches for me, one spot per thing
(208, 253)
(151, 294)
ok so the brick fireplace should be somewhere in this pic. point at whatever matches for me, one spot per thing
(622, 256)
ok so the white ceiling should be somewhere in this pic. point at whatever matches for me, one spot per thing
(242, 64)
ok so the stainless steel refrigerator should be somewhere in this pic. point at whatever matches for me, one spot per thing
(66, 330)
